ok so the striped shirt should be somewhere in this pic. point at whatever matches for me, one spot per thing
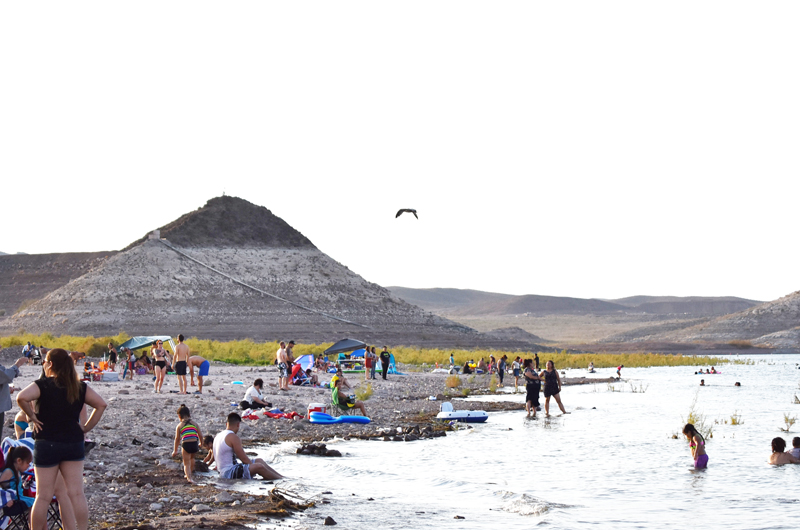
(189, 433)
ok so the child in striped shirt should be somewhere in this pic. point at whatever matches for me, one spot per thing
(188, 435)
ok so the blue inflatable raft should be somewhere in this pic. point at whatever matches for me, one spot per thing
(321, 418)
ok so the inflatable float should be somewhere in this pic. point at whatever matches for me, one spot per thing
(466, 416)
(320, 418)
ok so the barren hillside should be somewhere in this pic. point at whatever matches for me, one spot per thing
(265, 281)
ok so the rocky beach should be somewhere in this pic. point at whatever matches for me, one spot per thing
(131, 480)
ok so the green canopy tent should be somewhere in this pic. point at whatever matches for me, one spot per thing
(135, 343)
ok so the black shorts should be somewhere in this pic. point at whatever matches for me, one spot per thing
(551, 391)
(532, 392)
(50, 454)
(191, 447)
(161, 364)
(180, 368)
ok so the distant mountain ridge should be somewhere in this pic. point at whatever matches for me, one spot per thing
(468, 302)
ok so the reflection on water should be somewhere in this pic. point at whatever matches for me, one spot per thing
(612, 462)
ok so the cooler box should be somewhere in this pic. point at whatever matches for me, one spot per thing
(317, 407)
(109, 376)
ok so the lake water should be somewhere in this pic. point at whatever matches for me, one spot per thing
(611, 462)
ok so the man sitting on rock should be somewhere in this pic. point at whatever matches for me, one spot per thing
(228, 447)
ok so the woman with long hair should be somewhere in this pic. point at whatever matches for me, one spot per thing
(160, 356)
(59, 433)
(552, 387)
(532, 386)
(698, 445)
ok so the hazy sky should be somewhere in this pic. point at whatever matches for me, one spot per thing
(588, 149)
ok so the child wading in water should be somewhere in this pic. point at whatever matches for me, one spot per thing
(189, 436)
(698, 445)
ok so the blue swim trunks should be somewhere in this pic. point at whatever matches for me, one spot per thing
(204, 369)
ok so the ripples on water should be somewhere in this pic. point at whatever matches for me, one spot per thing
(612, 462)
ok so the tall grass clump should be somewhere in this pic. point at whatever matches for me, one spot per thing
(493, 383)
(736, 418)
(413, 355)
(91, 346)
(452, 381)
(364, 392)
(789, 421)
(698, 419)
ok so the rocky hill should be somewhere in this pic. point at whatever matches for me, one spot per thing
(689, 305)
(773, 324)
(466, 302)
(28, 277)
(768, 324)
(234, 270)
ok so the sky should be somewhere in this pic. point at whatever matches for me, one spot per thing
(586, 149)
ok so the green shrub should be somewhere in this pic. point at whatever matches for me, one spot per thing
(364, 392)
(452, 381)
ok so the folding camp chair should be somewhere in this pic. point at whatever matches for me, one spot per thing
(338, 408)
(54, 517)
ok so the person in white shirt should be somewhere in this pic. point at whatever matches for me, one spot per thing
(228, 447)
(253, 398)
(795, 447)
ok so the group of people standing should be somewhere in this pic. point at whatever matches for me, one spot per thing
(160, 362)
(533, 385)
(371, 362)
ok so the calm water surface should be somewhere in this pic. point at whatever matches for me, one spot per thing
(611, 462)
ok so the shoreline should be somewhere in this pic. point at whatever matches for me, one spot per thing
(135, 439)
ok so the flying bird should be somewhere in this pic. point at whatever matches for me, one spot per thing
(404, 210)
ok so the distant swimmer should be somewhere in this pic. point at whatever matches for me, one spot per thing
(405, 210)
(702, 382)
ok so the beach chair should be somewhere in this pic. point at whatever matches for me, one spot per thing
(20, 521)
(338, 408)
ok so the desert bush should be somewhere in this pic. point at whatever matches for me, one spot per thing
(740, 344)
(364, 392)
(2, 312)
(452, 381)
(493, 383)
(91, 346)
(465, 391)
(789, 421)
(250, 352)
(736, 418)
(26, 304)
(698, 419)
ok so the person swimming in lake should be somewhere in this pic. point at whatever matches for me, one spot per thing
(795, 452)
(698, 445)
(702, 382)
(778, 456)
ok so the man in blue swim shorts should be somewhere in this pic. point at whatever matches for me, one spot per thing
(202, 370)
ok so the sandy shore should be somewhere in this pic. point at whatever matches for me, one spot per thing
(132, 482)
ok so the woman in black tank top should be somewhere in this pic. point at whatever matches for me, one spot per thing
(532, 386)
(58, 433)
(552, 387)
